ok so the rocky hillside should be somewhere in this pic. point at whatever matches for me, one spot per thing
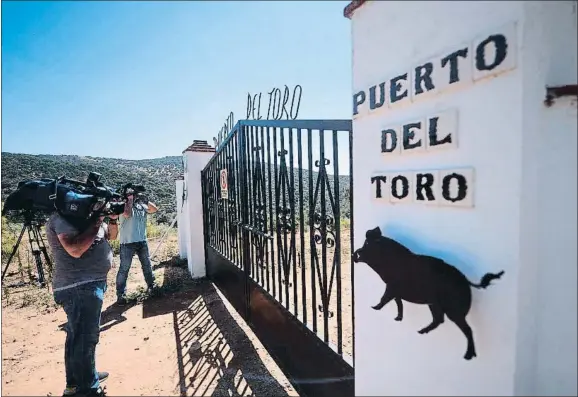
(157, 175)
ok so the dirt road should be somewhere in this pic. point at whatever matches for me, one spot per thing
(185, 342)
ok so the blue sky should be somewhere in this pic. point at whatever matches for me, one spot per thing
(144, 79)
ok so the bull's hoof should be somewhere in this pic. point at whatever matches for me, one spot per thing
(376, 307)
(470, 355)
(423, 331)
(398, 318)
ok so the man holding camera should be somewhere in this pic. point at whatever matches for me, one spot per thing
(83, 257)
(133, 239)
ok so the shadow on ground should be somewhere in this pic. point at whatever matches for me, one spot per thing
(175, 261)
(114, 315)
(215, 356)
(111, 316)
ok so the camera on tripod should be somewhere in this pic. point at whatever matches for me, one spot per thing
(33, 225)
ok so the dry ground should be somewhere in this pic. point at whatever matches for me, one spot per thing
(186, 341)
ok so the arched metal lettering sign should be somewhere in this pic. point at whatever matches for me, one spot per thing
(224, 131)
(282, 105)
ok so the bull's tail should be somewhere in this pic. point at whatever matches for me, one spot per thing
(487, 279)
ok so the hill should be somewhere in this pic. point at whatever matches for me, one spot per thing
(157, 175)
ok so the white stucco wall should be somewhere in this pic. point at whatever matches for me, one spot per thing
(181, 219)
(186, 222)
(524, 325)
(547, 282)
(195, 162)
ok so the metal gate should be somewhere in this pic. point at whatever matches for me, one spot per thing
(278, 227)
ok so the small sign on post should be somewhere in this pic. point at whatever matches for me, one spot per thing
(224, 185)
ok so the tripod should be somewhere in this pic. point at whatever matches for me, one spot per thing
(37, 247)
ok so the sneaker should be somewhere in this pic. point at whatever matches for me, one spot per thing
(121, 301)
(102, 376)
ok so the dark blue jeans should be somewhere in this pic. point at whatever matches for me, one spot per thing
(83, 306)
(127, 251)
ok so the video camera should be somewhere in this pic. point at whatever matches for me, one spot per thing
(71, 198)
(135, 190)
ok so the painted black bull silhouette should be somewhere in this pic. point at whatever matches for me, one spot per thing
(421, 279)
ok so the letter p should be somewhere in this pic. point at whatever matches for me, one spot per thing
(358, 99)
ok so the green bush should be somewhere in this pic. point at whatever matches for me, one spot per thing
(9, 236)
(115, 245)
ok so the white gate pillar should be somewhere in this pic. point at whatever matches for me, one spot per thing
(458, 156)
(196, 158)
(181, 218)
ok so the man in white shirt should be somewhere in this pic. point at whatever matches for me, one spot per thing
(133, 239)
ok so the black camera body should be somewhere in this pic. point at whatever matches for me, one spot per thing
(71, 198)
(129, 189)
(137, 191)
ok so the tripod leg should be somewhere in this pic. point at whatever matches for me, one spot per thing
(39, 269)
(33, 238)
(13, 251)
(42, 246)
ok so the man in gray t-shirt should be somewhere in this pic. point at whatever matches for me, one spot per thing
(82, 259)
(70, 271)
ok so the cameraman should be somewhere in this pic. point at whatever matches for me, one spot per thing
(83, 257)
(133, 239)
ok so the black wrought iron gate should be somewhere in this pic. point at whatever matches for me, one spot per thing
(278, 237)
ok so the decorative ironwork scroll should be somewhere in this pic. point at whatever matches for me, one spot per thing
(284, 219)
(324, 233)
(210, 200)
(259, 213)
